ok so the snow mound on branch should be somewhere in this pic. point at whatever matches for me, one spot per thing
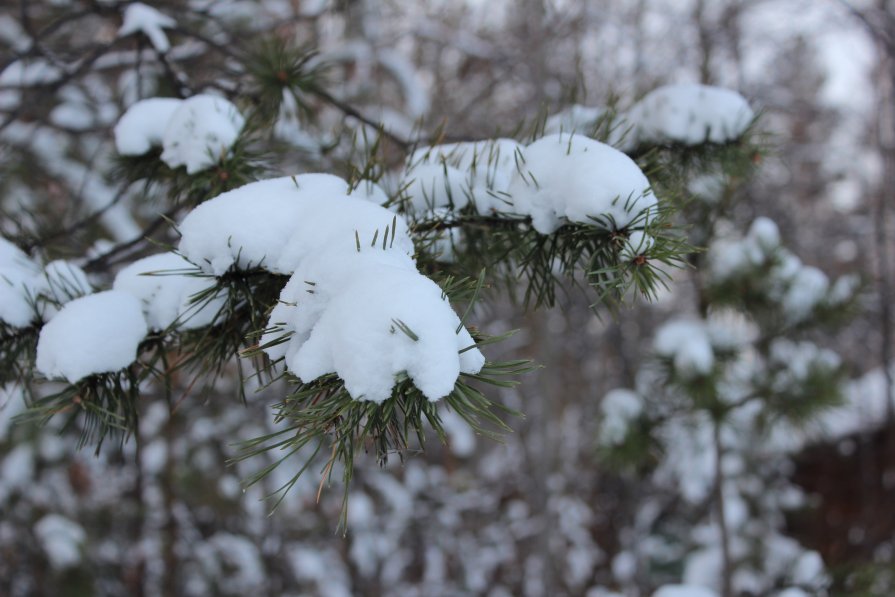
(574, 119)
(18, 285)
(165, 284)
(799, 289)
(355, 300)
(356, 314)
(690, 114)
(141, 127)
(619, 407)
(684, 591)
(98, 333)
(61, 539)
(430, 186)
(276, 223)
(139, 17)
(369, 333)
(570, 178)
(688, 344)
(200, 131)
(64, 281)
(486, 168)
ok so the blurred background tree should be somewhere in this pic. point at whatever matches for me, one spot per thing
(541, 513)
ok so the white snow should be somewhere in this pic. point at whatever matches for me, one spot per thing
(61, 539)
(570, 178)
(165, 284)
(149, 21)
(98, 333)
(428, 186)
(807, 288)
(276, 223)
(688, 344)
(345, 312)
(142, 126)
(348, 297)
(201, 130)
(64, 281)
(18, 285)
(684, 591)
(574, 119)
(690, 114)
(486, 167)
(619, 408)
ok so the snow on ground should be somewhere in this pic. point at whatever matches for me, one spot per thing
(571, 178)
(98, 333)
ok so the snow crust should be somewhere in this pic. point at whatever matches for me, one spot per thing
(200, 131)
(141, 127)
(570, 178)
(98, 333)
(690, 114)
(139, 17)
(165, 287)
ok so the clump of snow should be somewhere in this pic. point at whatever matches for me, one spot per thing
(143, 124)
(64, 281)
(369, 333)
(61, 539)
(139, 17)
(807, 288)
(798, 289)
(574, 119)
(276, 223)
(708, 188)
(346, 317)
(688, 344)
(200, 131)
(430, 186)
(619, 407)
(19, 277)
(569, 178)
(690, 114)
(355, 304)
(28, 293)
(638, 243)
(798, 360)
(165, 284)
(684, 591)
(485, 169)
(98, 333)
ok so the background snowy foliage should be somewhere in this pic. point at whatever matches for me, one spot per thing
(255, 252)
